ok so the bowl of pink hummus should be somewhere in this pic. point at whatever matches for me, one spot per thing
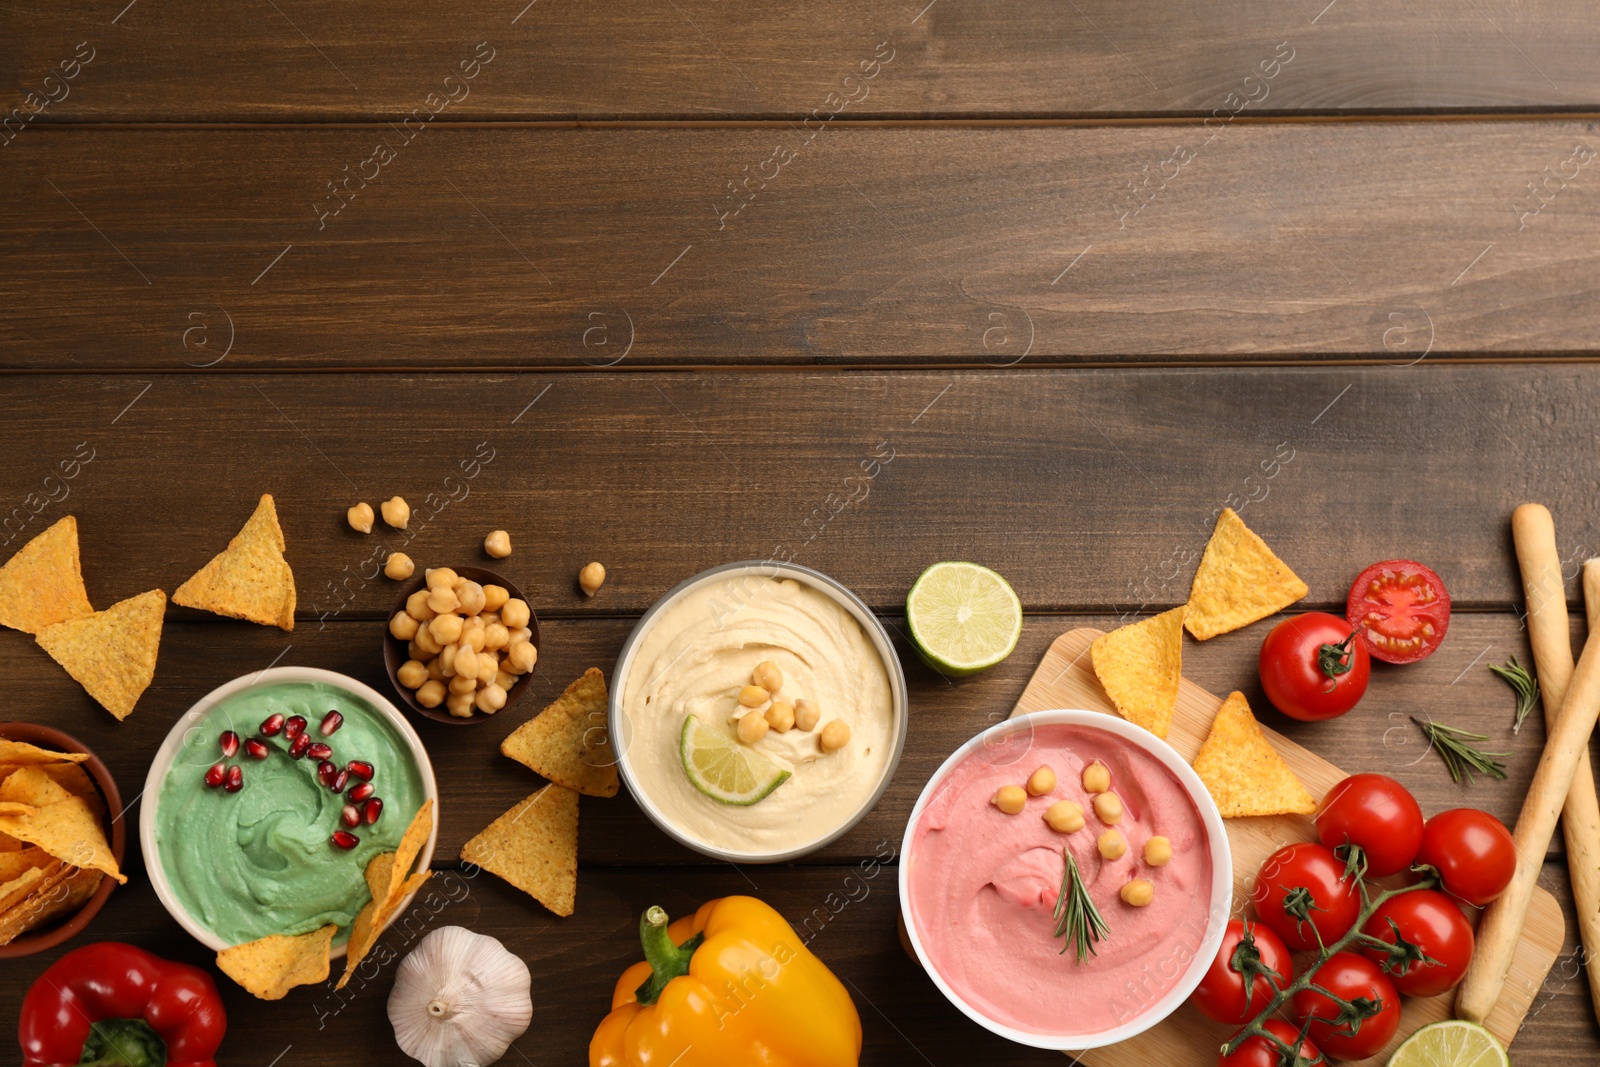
(1011, 838)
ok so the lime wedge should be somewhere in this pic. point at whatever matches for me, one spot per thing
(723, 769)
(1452, 1043)
(964, 618)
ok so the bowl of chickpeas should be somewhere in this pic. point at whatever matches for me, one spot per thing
(461, 644)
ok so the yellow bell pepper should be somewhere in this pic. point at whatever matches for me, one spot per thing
(731, 984)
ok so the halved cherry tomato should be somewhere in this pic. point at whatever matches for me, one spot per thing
(1377, 814)
(1221, 993)
(1472, 851)
(1258, 1052)
(1351, 978)
(1312, 667)
(1436, 937)
(1400, 610)
(1301, 892)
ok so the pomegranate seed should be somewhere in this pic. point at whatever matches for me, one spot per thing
(361, 769)
(256, 748)
(272, 724)
(298, 749)
(235, 780)
(331, 722)
(293, 727)
(345, 839)
(337, 783)
(351, 815)
(373, 809)
(326, 770)
(360, 792)
(215, 776)
(230, 744)
(318, 750)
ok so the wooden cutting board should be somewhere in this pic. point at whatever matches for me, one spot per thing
(1065, 679)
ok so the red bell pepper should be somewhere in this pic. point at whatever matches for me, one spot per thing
(112, 1003)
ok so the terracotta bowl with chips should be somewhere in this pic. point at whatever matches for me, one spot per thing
(54, 933)
(395, 653)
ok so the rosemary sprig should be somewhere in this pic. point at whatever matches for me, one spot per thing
(1077, 919)
(1455, 747)
(1525, 684)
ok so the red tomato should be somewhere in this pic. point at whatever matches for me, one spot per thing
(1472, 851)
(1301, 892)
(1433, 926)
(1400, 610)
(1349, 977)
(1220, 994)
(1311, 669)
(1377, 814)
(1258, 1052)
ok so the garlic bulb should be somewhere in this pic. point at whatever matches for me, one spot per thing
(459, 999)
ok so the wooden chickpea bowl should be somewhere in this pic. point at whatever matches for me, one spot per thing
(396, 652)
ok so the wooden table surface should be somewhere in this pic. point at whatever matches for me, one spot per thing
(1088, 272)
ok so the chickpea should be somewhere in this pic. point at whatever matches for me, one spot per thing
(426, 643)
(489, 616)
(460, 705)
(417, 606)
(1097, 777)
(463, 684)
(495, 636)
(1010, 799)
(807, 714)
(1041, 782)
(1108, 806)
(359, 516)
(488, 667)
(444, 600)
(780, 716)
(753, 696)
(447, 661)
(440, 578)
(466, 662)
(446, 629)
(495, 597)
(414, 651)
(834, 736)
(521, 634)
(412, 674)
(1138, 893)
(399, 566)
(752, 728)
(473, 636)
(498, 545)
(767, 676)
(470, 596)
(515, 614)
(1064, 817)
(490, 699)
(521, 657)
(431, 693)
(591, 578)
(403, 626)
(1111, 845)
(1158, 852)
(396, 512)
(505, 681)
(434, 670)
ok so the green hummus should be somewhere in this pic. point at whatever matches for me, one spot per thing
(261, 861)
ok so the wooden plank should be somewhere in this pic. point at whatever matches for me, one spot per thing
(191, 61)
(494, 248)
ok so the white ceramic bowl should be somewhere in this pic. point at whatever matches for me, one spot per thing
(170, 748)
(622, 733)
(1221, 875)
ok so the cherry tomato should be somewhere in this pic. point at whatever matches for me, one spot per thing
(1258, 1052)
(1349, 977)
(1472, 851)
(1379, 815)
(1301, 891)
(1433, 926)
(1400, 610)
(1220, 994)
(1311, 669)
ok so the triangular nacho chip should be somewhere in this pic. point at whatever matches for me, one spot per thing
(387, 896)
(43, 583)
(1243, 772)
(32, 786)
(13, 864)
(1239, 581)
(567, 742)
(23, 885)
(534, 846)
(1140, 665)
(112, 653)
(67, 830)
(76, 781)
(249, 579)
(20, 752)
(272, 966)
(62, 894)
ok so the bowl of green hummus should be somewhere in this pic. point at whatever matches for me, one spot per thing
(258, 816)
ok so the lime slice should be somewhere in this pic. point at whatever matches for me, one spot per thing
(723, 769)
(964, 618)
(1452, 1043)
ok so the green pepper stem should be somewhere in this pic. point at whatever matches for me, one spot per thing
(667, 960)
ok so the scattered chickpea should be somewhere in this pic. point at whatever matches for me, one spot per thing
(459, 705)
(497, 544)
(767, 676)
(521, 657)
(515, 614)
(1108, 806)
(463, 684)
(1111, 845)
(359, 516)
(1041, 782)
(396, 512)
(1064, 817)
(834, 736)
(443, 600)
(1138, 893)
(495, 597)
(412, 674)
(806, 714)
(440, 577)
(780, 716)
(753, 696)
(1158, 852)
(403, 626)
(752, 727)
(431, 693)
(495, 637)
(591, 578)
(446, 629)
(417, 606)
(491, 698)
(399, 566)
(1097, 777)
(469, 595)
(1010, 799)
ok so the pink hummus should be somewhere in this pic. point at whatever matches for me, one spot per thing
(983, 885)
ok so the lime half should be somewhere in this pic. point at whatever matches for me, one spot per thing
(964, 618)
(1452, 1043)
(723, 769)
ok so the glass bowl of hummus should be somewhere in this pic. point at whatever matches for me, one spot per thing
(785, 644)
(984, 867)
(261, 853)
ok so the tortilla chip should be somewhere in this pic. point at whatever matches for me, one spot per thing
(68, 891)
(534, 846)
(568, 742)
(13, 864)
(23, 885)
(31, 786)
(9, 844)
(1140, 665)
(249, 579)
(374, 918)
(272, 966)
(22, 753)
(76, 781)
(1243, 772)
(67, 830)
(43, 584)
(1239, 581)
(112, 653)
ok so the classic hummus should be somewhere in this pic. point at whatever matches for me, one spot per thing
(983, 885)
(697, 655)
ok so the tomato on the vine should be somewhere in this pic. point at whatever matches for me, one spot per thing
(1259, 1052)
(1399, 609)
(1360, 1029)
(1251, 955)
(1436, 937)
(1376, 814)
(1313, 668)
(1472, 851)
(1302, 892)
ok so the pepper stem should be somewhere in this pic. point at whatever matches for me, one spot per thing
(667, 960)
